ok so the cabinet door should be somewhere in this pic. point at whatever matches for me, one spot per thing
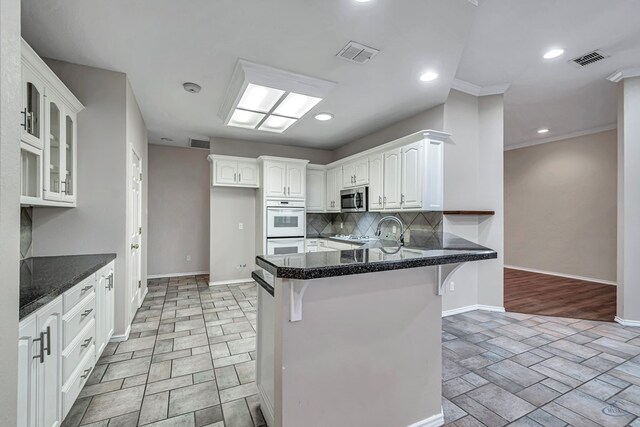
(412, 166)
(349, 175)
(32, 114)
(376, 182)
(248, 174)
(296, 180)
(50, 370)
(316, 197)
(226, 172)
(275, 179)
(54, 156)
(392, 182)
(69, 175)
(334, 185)
(102, 287)
(362, 171)
(27, 372)
(434, 176)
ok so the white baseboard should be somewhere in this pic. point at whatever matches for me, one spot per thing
(436, 420)
(120, 338)
(162, 276)
(230, 282)
(472, 308)
(265, 405)
(568, 276)
(625, 322)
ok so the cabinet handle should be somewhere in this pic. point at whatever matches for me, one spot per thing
(111, 281)
(86, 313)
(284, 190)
(135, 246)
(234, 177)
(87, 342)
(239, 177)
(41, 355)
(48, 334)
(379, 200)
(24, 118)
(87, 372)
(402, 199)
(65, 187)
(86, 288)
(289, 191)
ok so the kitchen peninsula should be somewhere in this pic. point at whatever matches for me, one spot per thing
(352, 337)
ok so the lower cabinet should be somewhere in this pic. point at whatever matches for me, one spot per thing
(58, 347)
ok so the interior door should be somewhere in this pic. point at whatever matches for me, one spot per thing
(135, 237)
(392, 187)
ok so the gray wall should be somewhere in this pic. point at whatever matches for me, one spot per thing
(10, 103)
(178, 210)
(560, 205)
(241, 148)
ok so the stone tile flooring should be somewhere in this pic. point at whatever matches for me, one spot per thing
(189, 361)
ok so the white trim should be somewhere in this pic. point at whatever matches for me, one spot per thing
(265, 405)
(162, 276)
(475, 90)
(624, 322)
(568, 276)
(624, 74)
(433, 421)
(561, 137)
(473, 307)
(230, 282)
(120, 338)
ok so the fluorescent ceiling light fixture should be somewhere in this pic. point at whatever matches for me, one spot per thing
(543, 130)
(259, 98)
(245, 119)
(429, 76)
(296, 105)
(323, 117)
(363, 1)
(277, 124)
(553, 53)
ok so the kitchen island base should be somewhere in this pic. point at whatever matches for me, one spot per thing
(353, 350)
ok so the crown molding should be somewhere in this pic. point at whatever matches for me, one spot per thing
(624, 74)
(475, 90)
(561, 137)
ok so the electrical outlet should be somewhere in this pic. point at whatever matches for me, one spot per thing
(452, 286)
(188, 257)
(240, 226)
(393, 229)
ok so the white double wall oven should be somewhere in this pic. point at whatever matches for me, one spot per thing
(285, 226)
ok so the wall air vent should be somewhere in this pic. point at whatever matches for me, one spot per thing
(358, 53)
(199, 143)
(589, 58)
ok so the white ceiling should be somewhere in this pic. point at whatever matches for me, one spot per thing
(160, 44)
(506, 45)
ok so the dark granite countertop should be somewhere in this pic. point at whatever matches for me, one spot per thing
(42, 279)
(383, 255)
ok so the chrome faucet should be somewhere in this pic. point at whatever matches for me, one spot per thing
(391, 218)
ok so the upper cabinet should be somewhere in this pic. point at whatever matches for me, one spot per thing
(49, 135)
(334, 185)
(284, 178)
(234, 172)
(355, 173)
(316, 188)
(376, 181)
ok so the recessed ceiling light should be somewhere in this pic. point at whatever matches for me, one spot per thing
(429, 76)
(165, 139)
(192, 87)
(553, 53)
(323, 117)
(543, 130)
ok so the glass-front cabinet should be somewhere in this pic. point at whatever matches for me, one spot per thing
(49, 135)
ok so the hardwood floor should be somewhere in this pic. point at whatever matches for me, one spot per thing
(543, 294)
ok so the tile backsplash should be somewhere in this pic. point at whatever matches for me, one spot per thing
(26, 240)
(419, 226)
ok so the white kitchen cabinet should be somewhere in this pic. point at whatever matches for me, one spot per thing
(234, 172)
(54, 159)
(40, 367)
(32, 107)
(434, 175)
(105, 307)
(356, 173)
(316, 193)
(284, 178)
(334, 186)
(376, 182)
(31, 174)
(392, 187)
(411, 176)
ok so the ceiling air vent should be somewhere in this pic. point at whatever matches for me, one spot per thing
(199, 143)
(358, 53)
(589, 58)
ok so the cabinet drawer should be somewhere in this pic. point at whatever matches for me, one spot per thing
(76, 320)
(72, 389)
(73, 354)
(76, 294)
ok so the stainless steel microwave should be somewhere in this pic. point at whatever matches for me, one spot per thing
(354, 200)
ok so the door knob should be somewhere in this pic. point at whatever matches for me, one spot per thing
(135, 246)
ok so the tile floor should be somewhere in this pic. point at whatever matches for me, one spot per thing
(189, 362)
